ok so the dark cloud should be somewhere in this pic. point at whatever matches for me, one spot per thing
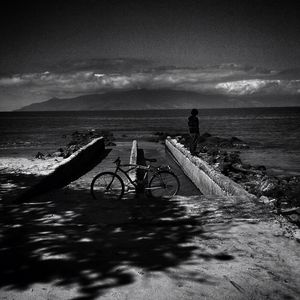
(108, 65)
(190, 33)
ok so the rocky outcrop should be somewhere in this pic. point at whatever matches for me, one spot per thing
(204, 176)
(78, 140)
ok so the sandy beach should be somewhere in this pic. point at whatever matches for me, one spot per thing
(66, 245)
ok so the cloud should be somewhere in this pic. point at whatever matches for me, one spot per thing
(11, 81)
(106, 65)
(87, 77)
(258, 86)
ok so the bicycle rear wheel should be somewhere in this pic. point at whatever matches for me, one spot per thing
(163, 184)
(107, 186)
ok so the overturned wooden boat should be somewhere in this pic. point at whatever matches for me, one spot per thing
(70, 169)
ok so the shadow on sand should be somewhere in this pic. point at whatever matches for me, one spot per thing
(66, 238)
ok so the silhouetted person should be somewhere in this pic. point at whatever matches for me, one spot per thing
(193, 123)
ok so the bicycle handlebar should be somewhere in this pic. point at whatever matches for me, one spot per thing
(147, 167)
(117, 161)
(151, 159)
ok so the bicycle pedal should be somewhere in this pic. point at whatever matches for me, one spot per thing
(128, 188)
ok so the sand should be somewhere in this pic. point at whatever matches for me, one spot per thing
(29, 166)
(65, 245)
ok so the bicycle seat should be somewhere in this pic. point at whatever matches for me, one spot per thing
(117, 161)
(151, 159)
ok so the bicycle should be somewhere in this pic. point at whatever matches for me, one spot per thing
(109, 185)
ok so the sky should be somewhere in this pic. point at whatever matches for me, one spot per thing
(70, 48)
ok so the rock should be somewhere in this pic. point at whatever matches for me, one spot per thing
(246, 166)
(215, 141)
(236, 142)
(297, 235)
(203, 149)
(206, 135)
(267, 186)
(73, 148)
(213, 152)
(40, 155)
(75, 132)
(73, 143)
(225, 167)
(57, 153)
(182, 141)
(267, 201)
(70, 150)
(237, 177)
(289, 211)
(261, 168)
(235, 157)
(295, 218)
(234, 139)
(241, 146)
(216, 159)
(201, 139)
(264, 199)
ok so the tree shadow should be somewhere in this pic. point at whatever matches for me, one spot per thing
(65, 237)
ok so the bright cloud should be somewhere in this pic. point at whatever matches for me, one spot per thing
(256, 86)
(11, 81)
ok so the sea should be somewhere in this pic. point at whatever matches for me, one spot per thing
(272, 133)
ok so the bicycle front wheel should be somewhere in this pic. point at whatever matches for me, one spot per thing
(163, 184)
(107, 186)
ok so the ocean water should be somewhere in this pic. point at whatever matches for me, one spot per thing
(273, 133)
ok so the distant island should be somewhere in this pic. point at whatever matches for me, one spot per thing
(141, 99)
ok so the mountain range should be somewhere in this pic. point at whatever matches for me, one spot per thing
(140, 99)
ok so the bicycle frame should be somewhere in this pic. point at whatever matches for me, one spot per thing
(131, 168)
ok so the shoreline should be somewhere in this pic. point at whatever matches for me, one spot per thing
(279, 162)
(158, 109)
(22, 158)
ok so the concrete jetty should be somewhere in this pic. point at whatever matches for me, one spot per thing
(208, 181)
(70, 169)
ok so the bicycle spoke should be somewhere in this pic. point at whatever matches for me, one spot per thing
(107, 185)
(164, 184)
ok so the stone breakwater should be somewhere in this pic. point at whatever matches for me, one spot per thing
(223, 155)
